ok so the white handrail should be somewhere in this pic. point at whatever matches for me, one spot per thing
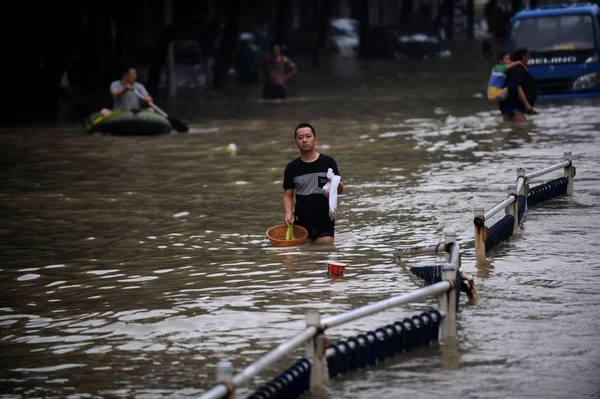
(498, 207)
(548, 169)
(520, 183)
(521, 180)
(455, 255)
(367, 310)
(221, 390)
(425, 250)
(514, 191)
(441, 247)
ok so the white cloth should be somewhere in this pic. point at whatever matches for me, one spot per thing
(330, 191)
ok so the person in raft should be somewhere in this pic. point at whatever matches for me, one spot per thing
(278, 70)
(497, 89)
(306, 176)
(123, 92)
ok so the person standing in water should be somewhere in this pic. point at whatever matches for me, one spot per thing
(522, 92)
(278, 70)
(497, 89)
(306, 176)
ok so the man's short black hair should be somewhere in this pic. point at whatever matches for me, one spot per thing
(501, 56)
(126, 68)
(304, 124)
(519, 54)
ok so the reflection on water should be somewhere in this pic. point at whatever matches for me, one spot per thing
(130, 266)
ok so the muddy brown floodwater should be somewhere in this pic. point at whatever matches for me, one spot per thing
(131, 265)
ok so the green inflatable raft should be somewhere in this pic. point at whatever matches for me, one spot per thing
(127, 123)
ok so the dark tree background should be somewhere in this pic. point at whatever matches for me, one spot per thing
(92, 41)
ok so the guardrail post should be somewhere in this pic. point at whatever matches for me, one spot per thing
(449, 238)
(513, 209)
(315, 350)
(569, 172)
(521, 173)
(480, 234)
(224, 375)
(525, 188)
(447, 302)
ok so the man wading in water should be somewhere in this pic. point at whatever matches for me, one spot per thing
(521, 90)
(307, 175)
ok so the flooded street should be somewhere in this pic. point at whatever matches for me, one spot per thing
(129, 266)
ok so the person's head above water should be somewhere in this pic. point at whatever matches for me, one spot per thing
(503, 58)
(129, 74)
(521, 54)
(305, 137)
(275, 50)
(304, 125)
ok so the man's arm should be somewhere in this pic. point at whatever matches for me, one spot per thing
(289, 75)
(116, 92)
(144, 93)
(293, 69)
(523, 99)
(288, 202)
(513, 64)
(340, 189)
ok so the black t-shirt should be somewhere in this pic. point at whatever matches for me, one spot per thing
(515, 77)
(308, 179)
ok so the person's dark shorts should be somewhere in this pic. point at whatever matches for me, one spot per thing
(510, 111)
(274, 92)
(317, 228)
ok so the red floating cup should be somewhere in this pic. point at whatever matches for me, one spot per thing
(336, 268)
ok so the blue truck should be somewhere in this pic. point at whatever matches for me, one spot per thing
(564, 45)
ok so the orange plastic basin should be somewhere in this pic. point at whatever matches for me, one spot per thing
(276, 235)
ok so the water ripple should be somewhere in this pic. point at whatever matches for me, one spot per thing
(126, 258)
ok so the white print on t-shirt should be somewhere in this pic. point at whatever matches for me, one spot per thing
(311, 183)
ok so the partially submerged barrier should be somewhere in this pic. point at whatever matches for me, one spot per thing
(520, 197)
(365, 350)
(323, 362)
(432, 274)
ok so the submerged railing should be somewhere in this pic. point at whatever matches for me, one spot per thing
(432, 274)
(365, 350)
(323, 362)
(520, 197)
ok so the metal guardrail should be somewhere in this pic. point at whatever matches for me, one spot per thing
(431, 249)
(314, 334)
(514, 210)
